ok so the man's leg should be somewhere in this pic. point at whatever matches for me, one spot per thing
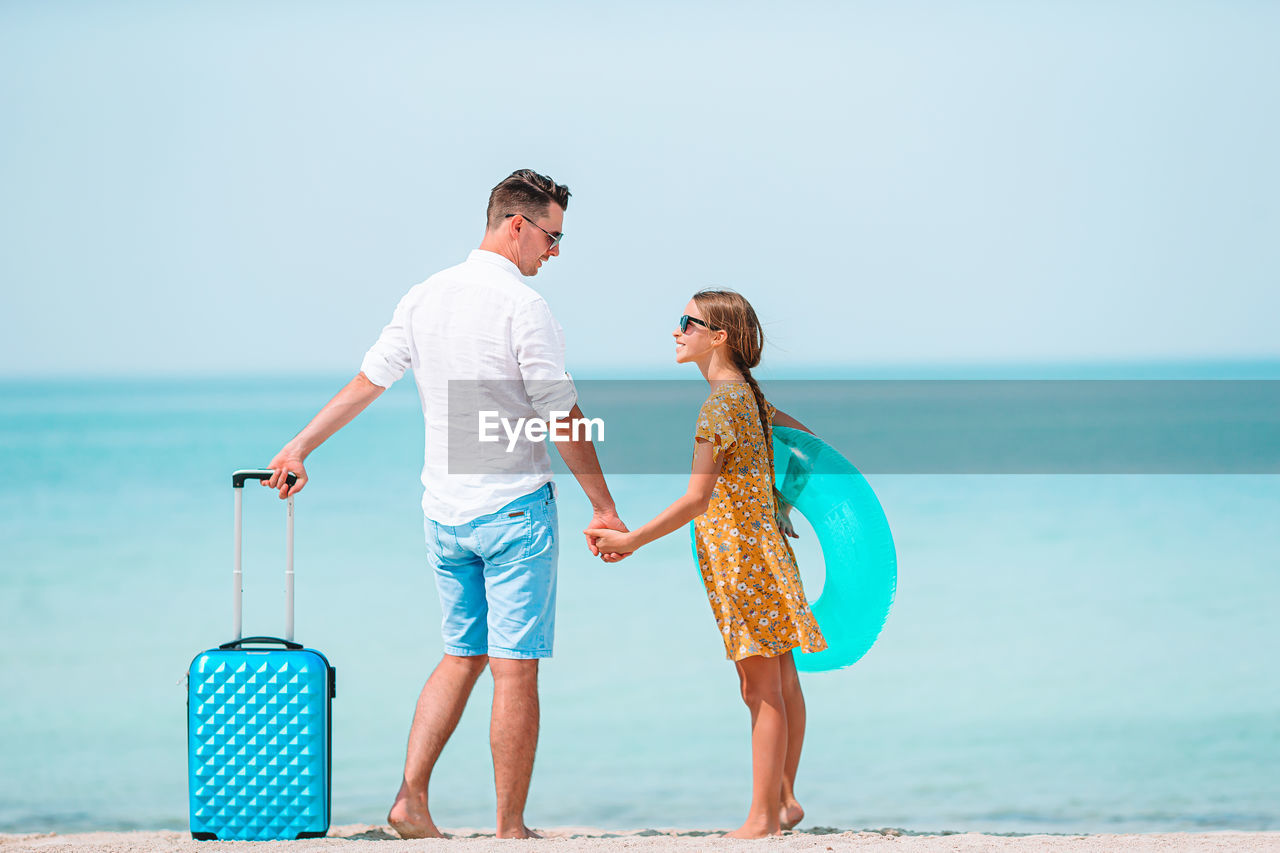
(520, 549)
(459, 577)
(513, 737)
(440, 706)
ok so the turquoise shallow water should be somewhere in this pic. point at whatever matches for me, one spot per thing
(1066, 653)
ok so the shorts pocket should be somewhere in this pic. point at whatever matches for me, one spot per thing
(504, 537)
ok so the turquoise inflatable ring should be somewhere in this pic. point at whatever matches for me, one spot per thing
(857, 547)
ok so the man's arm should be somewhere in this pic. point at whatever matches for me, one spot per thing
(337, 413)
(538, 343)
(579, 453)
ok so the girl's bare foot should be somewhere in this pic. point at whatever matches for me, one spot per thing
(791, 814)
(754, 829)
(412, 823)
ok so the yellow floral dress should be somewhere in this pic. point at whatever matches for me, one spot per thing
(747, 564)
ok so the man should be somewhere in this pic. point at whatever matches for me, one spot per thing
(477, 332)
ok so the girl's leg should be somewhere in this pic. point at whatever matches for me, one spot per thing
(761, 680)
(793, 700)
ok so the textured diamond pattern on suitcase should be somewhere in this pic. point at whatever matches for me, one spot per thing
(258, 725)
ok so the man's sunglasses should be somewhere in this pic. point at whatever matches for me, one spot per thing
(555, 238)
(685, 320)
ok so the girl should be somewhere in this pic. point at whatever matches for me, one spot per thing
(747, 565)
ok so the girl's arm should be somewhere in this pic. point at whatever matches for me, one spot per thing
(782, 419)
(693, 503)
(783, 515)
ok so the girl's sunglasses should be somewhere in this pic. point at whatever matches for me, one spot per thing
(685, 320)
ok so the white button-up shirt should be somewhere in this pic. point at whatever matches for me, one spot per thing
(479, 326)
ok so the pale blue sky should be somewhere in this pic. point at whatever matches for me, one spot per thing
(887, 182)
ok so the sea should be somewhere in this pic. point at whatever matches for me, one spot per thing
(1073, 647)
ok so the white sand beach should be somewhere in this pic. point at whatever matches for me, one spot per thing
(353, 838)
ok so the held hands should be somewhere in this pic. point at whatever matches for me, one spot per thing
(611, 545)
(286, 460)
(605, 523)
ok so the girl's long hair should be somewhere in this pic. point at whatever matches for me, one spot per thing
(730, 311)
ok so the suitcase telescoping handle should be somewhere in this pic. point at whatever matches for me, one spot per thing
(260, 641)
(237, 484)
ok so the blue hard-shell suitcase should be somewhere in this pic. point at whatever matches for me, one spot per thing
(259, 725)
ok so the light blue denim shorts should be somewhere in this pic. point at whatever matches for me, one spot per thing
(496, 576)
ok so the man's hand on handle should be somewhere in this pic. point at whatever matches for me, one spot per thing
(337, 413)
(286, 460)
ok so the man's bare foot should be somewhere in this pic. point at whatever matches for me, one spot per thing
(791, 814)
(754, 829)
(412, 822)
(521, 832)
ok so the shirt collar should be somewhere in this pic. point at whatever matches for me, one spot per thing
(486, 257)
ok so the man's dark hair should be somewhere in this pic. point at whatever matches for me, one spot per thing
(526, 192)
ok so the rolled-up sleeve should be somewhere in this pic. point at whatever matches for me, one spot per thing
(389, 357)
(538, 342)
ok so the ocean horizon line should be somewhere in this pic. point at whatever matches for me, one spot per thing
(1267, 367)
